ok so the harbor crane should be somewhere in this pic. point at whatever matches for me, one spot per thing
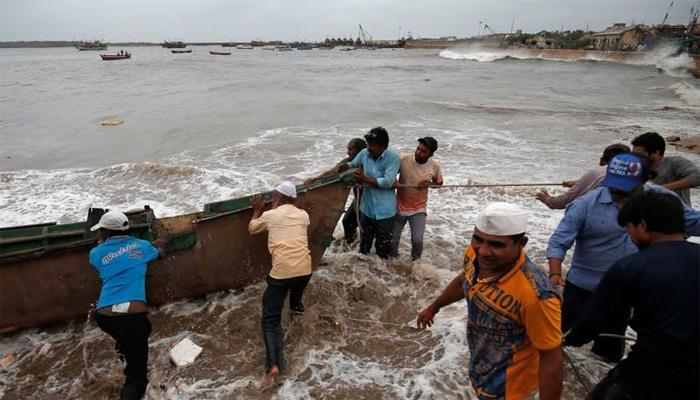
(366, 38)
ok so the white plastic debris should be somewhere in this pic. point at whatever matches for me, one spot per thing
(185, 352)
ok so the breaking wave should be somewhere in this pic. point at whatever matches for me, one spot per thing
(687, 92)
(662, 58)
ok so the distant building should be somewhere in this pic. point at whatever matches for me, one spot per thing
(620, 37)
(544, 40)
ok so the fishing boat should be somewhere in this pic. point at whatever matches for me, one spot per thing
(244, 47)
(46, 276)
(283, 48)
(269, 48)
(93, 45)
(111, 57)
(174, 45)
(181, 51)
(346, 48)
(219, 53)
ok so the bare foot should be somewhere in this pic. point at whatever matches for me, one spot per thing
(272, 376)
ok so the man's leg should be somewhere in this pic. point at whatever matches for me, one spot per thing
(350, 224)
(131, 333)
(272, 306)
(368, 232)
(574, 300)
(296, 292)
(399, 222)
(417, 223)
(385, 229)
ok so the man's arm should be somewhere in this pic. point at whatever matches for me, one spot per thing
(580, 187)
(256, 225)
(551, 374)
(340, 167)
(454, 292)
(159, 244)
(563, 238)
(689, 172)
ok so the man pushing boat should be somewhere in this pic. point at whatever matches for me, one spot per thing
(287, 228)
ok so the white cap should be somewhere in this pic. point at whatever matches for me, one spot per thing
(502, 219)
(112, 220)
(288, 189)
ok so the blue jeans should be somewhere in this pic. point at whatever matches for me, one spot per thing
(417, 224)
(272, 306)
(377, 231)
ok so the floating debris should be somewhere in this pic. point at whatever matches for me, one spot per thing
(112, 122)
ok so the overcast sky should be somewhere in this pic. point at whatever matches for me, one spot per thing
(244, 20)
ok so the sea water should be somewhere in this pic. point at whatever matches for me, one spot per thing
(199, 128)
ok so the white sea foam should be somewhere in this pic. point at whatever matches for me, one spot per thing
(687, 92)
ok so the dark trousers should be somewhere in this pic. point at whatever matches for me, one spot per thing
(377, 231)
(574, 301)
(272, 307)
(131, 332)
(623, 384)
(350, 223)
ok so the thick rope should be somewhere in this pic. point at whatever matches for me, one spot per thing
(485, 185)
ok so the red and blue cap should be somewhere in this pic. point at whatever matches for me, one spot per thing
(624, 172)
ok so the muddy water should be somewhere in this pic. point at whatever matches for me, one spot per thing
(200, 129)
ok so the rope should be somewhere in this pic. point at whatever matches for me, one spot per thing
(570, 358)
(484, 185)
(618, 336)
(357, 207)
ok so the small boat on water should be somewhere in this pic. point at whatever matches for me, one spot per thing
(219, 53)
(181, 51)
(346, 48)
(93, 45)
(174, 45)
(244, 47)
(47, 278)
(269, 48)
(111, 57)
(283, 48)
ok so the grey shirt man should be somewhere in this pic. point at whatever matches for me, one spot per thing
(674, 168)
(588, 181)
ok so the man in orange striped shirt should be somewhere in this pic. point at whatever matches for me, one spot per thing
(417, 172)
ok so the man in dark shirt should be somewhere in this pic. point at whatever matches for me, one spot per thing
(662, 284)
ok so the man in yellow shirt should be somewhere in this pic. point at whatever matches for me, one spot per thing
(287, 228)
(514, 311)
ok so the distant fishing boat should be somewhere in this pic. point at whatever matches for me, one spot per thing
(174, 45)
(111, 57)
(244, 47)
(269, 48)
(283, 48)
(93, 45)
(182, 51)
(217, 53)
(347, 48)
(304, 47)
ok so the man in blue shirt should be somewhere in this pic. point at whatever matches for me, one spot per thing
(121, 310)
(590, 222)
(377, 167)
(662, 284)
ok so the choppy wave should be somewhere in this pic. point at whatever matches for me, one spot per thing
(661, 58)
(687, 92)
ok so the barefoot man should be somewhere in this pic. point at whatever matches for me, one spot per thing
(287, 228)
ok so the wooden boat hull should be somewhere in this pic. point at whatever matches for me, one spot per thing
(216, 53)
(112, 57)
(181, 51)
(208, 251)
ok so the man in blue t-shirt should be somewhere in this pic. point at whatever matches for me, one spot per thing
(121, 261)
(662, 284)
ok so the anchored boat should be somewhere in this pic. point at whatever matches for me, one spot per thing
(181, 51)
(94, 45)
(45, 275)
(219, 53)
(110, 57)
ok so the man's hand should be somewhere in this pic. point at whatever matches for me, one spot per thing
(542, 195)
(425, 318)
(359, 176)
(309, 181)
(257, 203)
(568, 184)
(557, 279)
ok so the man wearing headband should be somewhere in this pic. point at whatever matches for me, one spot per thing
(513, 311)
(590, 222)
(121, 261)
(287, 227)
